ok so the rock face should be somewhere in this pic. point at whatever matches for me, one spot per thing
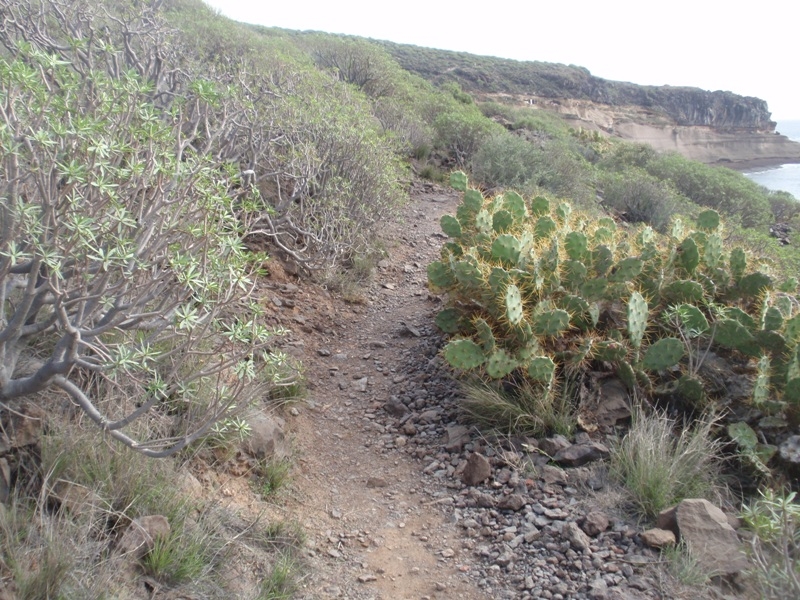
(715, 127)
(710, 538)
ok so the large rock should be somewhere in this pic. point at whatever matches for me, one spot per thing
(477, 470)
(267, 439)
(577, 538)
(595, 523)
(710, 539)
(141, 535)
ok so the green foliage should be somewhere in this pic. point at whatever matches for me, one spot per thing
(538, 300)
(661, 463)
(774, 519)
(727, 191)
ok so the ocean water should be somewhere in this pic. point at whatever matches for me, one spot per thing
(785, 177)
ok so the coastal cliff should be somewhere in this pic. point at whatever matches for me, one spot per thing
(715, 127)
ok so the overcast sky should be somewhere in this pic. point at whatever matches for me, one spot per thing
(750, 48)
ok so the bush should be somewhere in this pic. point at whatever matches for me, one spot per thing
(774, 519)
(661, 462)
(504, 160)
(639, 198)
(461, 131)
(122, 265)
(719, 188)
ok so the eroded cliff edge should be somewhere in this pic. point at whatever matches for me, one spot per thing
(715, 127)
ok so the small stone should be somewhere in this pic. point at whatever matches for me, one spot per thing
(658, 538)
(595, 523)
(141, 535)
(579, 454)
(577, 538)
(477, 470)
(377, 482)
(324, 352)
(511, 502)
(448, 553)
(366, 578)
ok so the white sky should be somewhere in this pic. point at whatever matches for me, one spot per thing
(750, 48)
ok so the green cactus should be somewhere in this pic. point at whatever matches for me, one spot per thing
(753, 452)
(737, 314)
(688, 255)
(458, 181)
(450, 226)
(483, 332)
(577, 245)
(713, 251)
(627, 375)
(691, 389)
(789, 286)
(483, 221)
(626, 270)
(464, 354)
(692, 320)
(792, 330)
(514, 204)
(575, 273)
(708, 220)
(752, 285)
(784, 304)
(684, 290)
(550, 323)
(594, 289)
(540, 206)
(730, 333)
(502, 221)
(513, 302)
(761, 382)
(500, 364)
(468, 274)
(440, 276)
(665, 353)
(506, 248)
(448, 320)
(609, 351)
(545, 228)
(738, 263)
(603, 235)
(602, 260)
(499, 278)
(772, 319)
(678, 230)
(637, 319)
(563, 211)
(542, 369)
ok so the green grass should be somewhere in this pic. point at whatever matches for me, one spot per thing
(271, 475)
(282, 580)
(661, 462)
(529, 409)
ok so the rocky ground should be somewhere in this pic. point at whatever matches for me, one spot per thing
(401, 500)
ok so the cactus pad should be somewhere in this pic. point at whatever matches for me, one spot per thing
(551, 323)
(637, 318)
(514, 204)
(753, 284)
(542, 369)
(513, 303)
(684, 290)
(708, 220)
(502, 221)
(688, 255)
(500, 364)
(665, 353)
(773, 319)
(450, 226)
(738, 263)
(458, 181)
(545, 228)
(506, 248)
(440, 276)
(464, 354)
(448, 320)
(577, 245)
(540, 206)
(626, 270)
(468, 274)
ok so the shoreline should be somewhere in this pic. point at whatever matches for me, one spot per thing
(754, 164)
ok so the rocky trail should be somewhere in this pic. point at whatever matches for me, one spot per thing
(382, 464)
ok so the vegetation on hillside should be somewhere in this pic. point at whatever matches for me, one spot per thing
(152, 151)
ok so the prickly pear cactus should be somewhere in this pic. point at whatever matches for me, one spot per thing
(536, 290)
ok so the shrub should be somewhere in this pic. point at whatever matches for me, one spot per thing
(639, 198)
(661, 462)
(774, 519)
(121, 258)
(504, 160)
(461, 131)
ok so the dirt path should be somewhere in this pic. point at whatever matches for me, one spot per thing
(374, 528)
